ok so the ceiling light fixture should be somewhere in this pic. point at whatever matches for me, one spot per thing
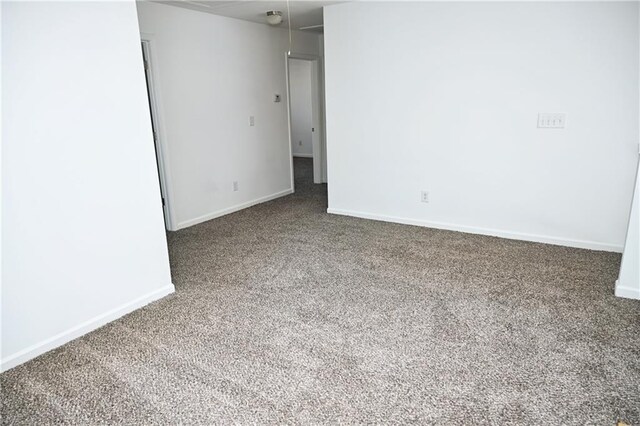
(274, 17)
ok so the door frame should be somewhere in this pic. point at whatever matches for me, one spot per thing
(162, 160)
(318, 141)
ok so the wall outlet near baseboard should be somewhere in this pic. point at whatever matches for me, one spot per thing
(300, 143)
(235, 185)
(252, 121)
(424, 196)
(551, 120)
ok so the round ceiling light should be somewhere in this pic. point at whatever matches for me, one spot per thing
(274, 17)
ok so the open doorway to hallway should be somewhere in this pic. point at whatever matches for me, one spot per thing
(305, 119)
(301, 108)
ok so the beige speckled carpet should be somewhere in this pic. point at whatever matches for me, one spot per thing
(285, 314)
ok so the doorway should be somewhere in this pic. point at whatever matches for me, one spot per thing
(306, 128)
(153, 109)
(301, 114)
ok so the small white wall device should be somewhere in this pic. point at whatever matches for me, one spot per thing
(551, 120)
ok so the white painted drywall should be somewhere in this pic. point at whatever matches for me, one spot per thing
(446, 100)
(213, 73)
(628, 284)
(322, 111)
(1, 186)
(300, 87)
(83, 238)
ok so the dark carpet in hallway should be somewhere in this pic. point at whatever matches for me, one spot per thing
(286, 314)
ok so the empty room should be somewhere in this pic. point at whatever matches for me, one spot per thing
(320, 212)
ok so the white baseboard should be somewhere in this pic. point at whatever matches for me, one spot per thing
(233, 209)
(303, 155)
(82, 329)
(591, 245)
(627, 292)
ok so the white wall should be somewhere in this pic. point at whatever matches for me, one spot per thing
(444, 97)
(628, 284)
(300, 92)
(213, 73)
(83, 239)
(323, 112)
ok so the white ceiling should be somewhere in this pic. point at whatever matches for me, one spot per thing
(305, 13)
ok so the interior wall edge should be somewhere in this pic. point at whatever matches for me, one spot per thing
(627, 292)
(232, 209)
(83, 328)
(545, 239)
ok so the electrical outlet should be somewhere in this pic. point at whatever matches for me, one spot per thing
(300, 143)
(252, 121)
(424, 196)
(551, 120)
(235, 185)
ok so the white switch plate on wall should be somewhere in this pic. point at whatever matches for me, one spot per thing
(548, 120)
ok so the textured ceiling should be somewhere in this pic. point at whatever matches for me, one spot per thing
(303, 13)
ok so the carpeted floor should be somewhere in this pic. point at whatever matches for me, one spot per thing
(285, 314)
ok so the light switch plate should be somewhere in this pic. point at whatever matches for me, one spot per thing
(551, 120)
